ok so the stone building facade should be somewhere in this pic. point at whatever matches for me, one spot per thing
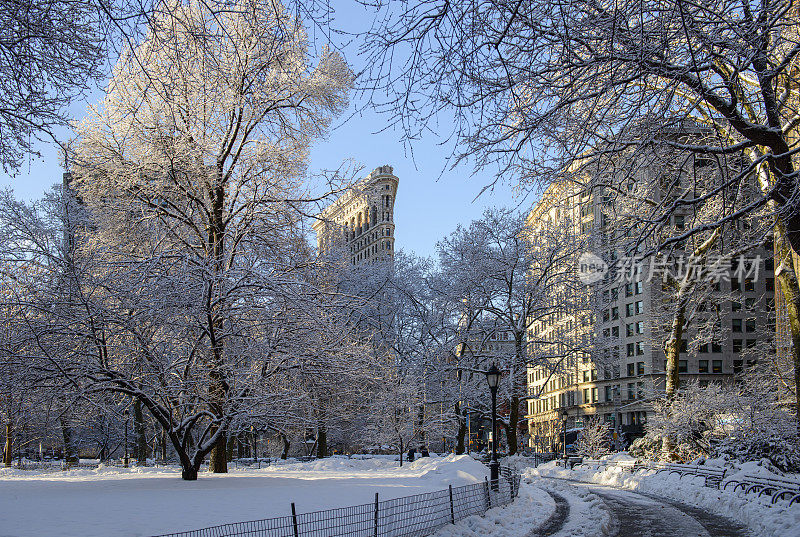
(614, 362)
(362, 219)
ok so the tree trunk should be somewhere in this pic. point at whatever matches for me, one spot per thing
(68, 435)
(140, 432)
(513, 422)
(672, 350)
(672, 346)
(163, 446)
(218, 389)
(322, 442)
(421, 425)
(229, 448)
(402, 452)
(285, 451)
(462, 431)
(8, 453)
(787, 279)
(219, 456)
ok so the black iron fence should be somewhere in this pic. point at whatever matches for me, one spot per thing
(410, 516)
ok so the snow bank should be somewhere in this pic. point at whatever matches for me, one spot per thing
(532, 509)
(136, 502)
(762, 518)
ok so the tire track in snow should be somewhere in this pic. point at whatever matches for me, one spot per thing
(556, 521)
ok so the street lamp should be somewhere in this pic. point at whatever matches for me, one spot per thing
(564, 416)
(493, 378)
(126, 460)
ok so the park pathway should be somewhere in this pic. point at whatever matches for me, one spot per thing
(641, 515)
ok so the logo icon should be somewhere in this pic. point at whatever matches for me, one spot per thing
(591, 268)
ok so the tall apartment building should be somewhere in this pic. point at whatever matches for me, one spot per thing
(362, 219)
(613, 360)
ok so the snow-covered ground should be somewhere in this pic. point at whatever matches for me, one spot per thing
(758, 515)
(137, 502)
(532, 511)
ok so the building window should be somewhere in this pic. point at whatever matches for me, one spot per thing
(585, 376)
(640, 368)
(716, 346)
(736, 325)
(629, 289)
(703, 348)
(629, 310)
(749, 285)
(770, 283)
(614, 313)
(737, 367)
(737, 345)
(683, 367)
(640, 327)
(702, 366)
(640, 348)
(639, 307)
(638, 288)
(609, 393)
(750, 325)
(631, 349)
(629, 329)
(615, 331)
(735, 284)
(716, 366)
(631, 390)
(594, 394)
(631, 369)
(585, 395)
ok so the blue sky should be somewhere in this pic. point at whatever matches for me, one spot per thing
(430, 202)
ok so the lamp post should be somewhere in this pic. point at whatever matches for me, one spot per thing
(493, 378)
(126, 460)
(564, 416)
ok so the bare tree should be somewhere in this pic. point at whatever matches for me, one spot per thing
(594, 439)
(536, 87)
(514, 273)
(190, 176)
(52, 52)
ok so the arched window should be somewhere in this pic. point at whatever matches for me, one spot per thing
(374, 215)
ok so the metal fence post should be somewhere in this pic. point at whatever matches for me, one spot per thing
(488, 497)
(452, 510)
(294, 521)
(376, 512)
